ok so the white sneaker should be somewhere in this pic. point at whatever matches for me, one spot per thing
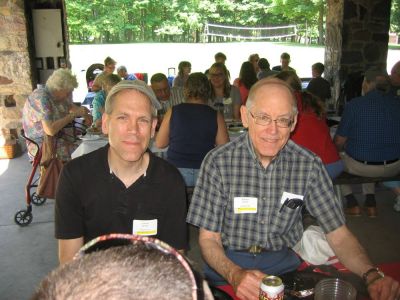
(396, 205)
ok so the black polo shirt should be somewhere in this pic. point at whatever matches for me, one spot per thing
(91, 201)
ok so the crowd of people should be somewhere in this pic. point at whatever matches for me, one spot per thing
(249, 193)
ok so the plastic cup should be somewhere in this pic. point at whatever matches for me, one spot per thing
(334, 289)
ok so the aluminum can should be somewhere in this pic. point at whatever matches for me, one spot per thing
(271, 288)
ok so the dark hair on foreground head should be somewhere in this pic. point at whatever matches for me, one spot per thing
(133, 271)
(197, 86)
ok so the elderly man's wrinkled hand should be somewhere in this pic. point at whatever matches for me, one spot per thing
(246, 283)
(384, 289)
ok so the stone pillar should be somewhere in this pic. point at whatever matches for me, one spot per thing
(15, 68)
(365, 34)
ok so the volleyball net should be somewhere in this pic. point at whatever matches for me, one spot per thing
(249, 33)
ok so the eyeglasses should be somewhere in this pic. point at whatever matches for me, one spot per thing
(264, 120)
(118, 239)
(292, 203)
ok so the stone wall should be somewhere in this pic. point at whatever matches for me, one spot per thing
(15, 68)
(365, 35)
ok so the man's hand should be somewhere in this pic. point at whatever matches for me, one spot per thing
(246, 283)
(384, 289)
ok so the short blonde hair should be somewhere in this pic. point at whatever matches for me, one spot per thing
(271, 81)
(61, 80)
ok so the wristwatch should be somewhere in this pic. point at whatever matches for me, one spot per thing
(369, 272)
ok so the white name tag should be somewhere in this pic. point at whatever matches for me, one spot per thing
(144, 227)
(289, 196)
(245, 205)
(227, 101)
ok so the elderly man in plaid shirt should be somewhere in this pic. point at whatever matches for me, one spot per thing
(248, 198)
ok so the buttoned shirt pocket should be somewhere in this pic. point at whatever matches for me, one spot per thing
(285, 218)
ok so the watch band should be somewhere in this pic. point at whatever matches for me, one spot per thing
(370, 271)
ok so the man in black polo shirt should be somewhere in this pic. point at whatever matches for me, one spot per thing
(122, 187)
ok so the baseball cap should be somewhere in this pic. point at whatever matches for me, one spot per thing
(138, 85)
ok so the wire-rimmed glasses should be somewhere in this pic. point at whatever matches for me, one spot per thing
(264, 120)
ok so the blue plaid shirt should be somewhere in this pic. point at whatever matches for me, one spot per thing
(233, 170)
(372, 126)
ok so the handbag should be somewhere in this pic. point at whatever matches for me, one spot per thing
(50, 168)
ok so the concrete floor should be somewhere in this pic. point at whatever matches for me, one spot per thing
(27, 254)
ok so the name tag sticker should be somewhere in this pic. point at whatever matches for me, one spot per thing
(227, 101)
(245, 205)
(289, 196)
(144, 227)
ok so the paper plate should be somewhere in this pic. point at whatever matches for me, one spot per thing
(90, 137)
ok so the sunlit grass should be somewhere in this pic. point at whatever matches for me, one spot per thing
(3, 165)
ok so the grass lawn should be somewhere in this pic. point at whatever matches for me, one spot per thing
(152, 58)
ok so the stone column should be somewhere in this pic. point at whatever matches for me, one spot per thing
(15, 68)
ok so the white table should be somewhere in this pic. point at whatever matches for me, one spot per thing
(87, 146)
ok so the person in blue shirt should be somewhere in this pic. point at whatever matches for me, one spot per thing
(123, 73)
(368, 138)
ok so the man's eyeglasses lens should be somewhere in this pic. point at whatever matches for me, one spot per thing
(267, 120)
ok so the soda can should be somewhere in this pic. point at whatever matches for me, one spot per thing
(271, 288)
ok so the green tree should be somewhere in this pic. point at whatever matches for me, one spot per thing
(127, 21)
(395, 17)
(308, 14)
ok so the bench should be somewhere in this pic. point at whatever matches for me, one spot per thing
(347, 178)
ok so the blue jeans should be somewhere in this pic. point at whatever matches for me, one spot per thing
(334, 169)
(189, 175)
(269, 262)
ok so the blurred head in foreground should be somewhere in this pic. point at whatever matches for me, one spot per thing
(123, 267)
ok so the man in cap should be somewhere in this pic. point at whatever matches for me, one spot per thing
(122, 187)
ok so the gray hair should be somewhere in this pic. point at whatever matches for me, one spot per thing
(61, 80)
(124, 272)
(270, 81)
(122, 68)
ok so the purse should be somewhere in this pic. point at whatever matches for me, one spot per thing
(50, 168)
